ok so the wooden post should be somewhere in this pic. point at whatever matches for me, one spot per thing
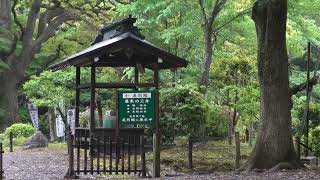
(1, 168)
(298, 140)
(143, 157)
(77, 103)
(237, 151)
(306, 152)
(70, 146)
(156, 138)
(190, 146)
(11, 141)
(92, 100)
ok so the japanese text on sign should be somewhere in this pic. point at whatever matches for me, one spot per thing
(137, 107)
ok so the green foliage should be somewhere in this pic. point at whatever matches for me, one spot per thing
(217, 124)
(184, 111)
(44, 125)
(24, 115)
(315, 143)
(20, 130)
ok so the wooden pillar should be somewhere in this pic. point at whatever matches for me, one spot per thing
(136, 75)
(190, 146)
(306, 152)
(77, 103)
(93, 95)
(156, 150)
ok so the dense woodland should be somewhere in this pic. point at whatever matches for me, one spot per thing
(240, 53)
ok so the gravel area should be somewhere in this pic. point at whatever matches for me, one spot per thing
(35, 164)
(45, 164)
(267, 175)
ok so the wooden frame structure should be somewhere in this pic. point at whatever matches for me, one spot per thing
(119, 45)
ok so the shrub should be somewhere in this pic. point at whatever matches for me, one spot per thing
(315, 142)
(184, 112)
(20, 130)
(217, 124)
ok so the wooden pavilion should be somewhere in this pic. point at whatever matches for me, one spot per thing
(119, 44)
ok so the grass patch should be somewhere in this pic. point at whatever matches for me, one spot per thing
(207, 157)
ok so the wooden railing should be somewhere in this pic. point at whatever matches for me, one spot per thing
(101, 152)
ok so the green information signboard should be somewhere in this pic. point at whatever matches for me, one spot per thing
(137, 107)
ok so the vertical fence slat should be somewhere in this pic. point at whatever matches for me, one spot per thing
(85, 152)
(143, 156)
(98, 154)
(117, 154)
(78, 138)
(91, 153)
(129, 157)
(104, 153)
(135, 154)
(110, 159)
(123, 156)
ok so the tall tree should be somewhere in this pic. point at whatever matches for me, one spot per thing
(274, 146)
(208, 18)
(26, 27)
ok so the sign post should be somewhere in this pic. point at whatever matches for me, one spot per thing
(137, 107)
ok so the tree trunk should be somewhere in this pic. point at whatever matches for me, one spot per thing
(250, 134)
(52, 123)
(204, 82)
(274, 142)
(8, 99)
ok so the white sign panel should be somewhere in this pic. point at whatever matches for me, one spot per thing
(71, 119)
(33, 111)
(136, 95)
(59, 124)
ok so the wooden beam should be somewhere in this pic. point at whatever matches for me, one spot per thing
(117, 85)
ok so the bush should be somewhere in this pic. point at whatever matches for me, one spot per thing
(20, 130)
(315, 140)
(184, 112)
(217, 124)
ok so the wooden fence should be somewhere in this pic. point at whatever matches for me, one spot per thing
(101, 153)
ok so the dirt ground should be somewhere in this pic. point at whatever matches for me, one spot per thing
(48, 164)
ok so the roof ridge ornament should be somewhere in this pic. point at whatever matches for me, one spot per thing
(116, 28)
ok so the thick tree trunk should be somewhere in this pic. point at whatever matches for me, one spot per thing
(8, 99)
(274, 142)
